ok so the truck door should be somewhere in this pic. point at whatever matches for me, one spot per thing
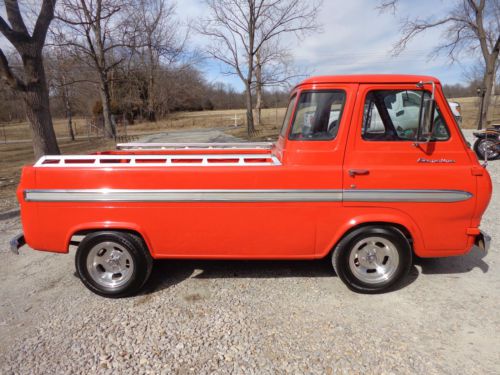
(430, 183)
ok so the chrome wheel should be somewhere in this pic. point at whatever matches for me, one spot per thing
(110, 264)
(374, 260)
(488, 148)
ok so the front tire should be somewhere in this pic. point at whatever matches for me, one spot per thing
(113, 264)
(372, 259)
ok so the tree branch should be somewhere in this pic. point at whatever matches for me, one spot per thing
(8, 75)
(44, 19)
(15, 18)
(12, 36)
(496, 47)
(388, 6)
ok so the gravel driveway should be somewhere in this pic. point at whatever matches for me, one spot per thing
(252, 317)
(190, 136)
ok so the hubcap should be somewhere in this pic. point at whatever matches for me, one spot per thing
(110, 264)
(374, 260)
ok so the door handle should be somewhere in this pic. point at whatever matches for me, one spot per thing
(359, 172)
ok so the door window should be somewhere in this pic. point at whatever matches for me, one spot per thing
(393, 115)
(318, 115)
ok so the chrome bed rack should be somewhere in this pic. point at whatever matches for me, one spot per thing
(196, 160)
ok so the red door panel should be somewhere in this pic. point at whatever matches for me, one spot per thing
(432, 182)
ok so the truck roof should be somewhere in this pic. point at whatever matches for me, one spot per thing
(369, 78)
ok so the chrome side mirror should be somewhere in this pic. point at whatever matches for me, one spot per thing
(427, 113)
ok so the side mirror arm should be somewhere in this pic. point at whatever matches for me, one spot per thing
(428, 112)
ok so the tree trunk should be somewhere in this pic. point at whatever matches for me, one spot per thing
(249, 105)
(67, 106)
(494, 87)
(488, 82)
(36, 100)
(258, 89)
(494, 97)
(109, 128)
(151, 85)
(151, 104)
(33, 84)
(258, 108)
(69, 117)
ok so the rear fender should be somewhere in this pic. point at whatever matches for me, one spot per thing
(108, 225)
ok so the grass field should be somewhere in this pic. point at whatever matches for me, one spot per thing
(12, 132)
(16, 149)
(470, 111)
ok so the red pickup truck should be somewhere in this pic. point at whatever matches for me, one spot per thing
(368, 171)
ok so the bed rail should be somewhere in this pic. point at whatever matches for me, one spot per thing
(104, 161)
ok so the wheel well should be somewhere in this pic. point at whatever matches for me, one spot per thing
(399, 227)
(78, 236)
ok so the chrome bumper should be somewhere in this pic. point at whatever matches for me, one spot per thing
(16, 243)
(483, 241)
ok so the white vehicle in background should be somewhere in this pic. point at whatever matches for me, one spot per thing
(404, 106)
(457, 111)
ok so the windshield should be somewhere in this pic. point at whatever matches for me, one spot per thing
(288, 115)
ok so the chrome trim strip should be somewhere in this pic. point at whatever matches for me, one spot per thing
(197, 146)
(415, 196)
(257, 195)
(122, 195)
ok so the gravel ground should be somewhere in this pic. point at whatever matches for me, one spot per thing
(252, 317)
(208, 135)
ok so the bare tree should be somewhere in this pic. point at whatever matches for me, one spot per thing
(94, 29)
(32, 84)
(158, 40)
(273, 68)
(61, 69)
(239, 28)
(469, 26)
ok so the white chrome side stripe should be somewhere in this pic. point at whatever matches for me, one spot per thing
(134, 195)
(438, 196)
(115, 195)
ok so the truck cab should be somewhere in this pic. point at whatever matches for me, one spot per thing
(368, 170)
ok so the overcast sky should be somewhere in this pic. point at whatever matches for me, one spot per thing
(356, 38)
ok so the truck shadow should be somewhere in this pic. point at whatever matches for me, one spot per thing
(167, 273)
(453, 265)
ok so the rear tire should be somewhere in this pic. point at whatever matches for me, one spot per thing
(486, 145)
(113, 264)
(372, 259)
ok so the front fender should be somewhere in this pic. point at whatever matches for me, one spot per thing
(377, 215)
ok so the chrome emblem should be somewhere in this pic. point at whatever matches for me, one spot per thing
(436, 161)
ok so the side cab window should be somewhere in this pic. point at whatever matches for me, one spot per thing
(393, 115)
